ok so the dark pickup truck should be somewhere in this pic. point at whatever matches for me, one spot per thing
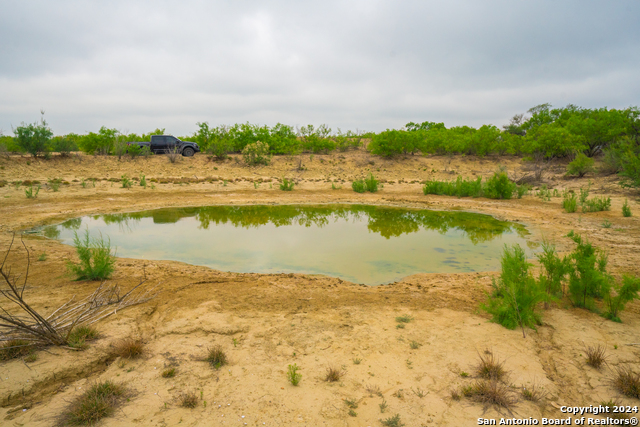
(161, 144)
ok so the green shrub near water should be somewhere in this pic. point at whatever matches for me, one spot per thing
(516, 294)
(256, 154)
(97, 262)
(623, 295)
(569, 201)
(499, 186)
(287, 184)
(588, 278)
(626, 210)
(581, 165)
(366, 184)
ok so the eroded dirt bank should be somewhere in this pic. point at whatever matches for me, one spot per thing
(266, 322)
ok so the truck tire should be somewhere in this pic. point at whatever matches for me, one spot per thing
(188, 152)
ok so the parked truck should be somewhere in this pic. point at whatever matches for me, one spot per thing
(161, 144)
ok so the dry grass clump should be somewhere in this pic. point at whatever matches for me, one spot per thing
(596, 355)
(333, 374)
(14, 349)
(128, 348)
(490, 368)
(217, 357)
(373, 390)
(491, 392)
(188, 399)
(627, 382)
(533, 393)
(98, 402)
(611, 404)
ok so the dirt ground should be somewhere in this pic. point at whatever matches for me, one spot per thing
(267, 322)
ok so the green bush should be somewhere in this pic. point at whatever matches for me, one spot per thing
(29, 192)
(34, 138)
(516, 293)
(499, 186)
(64, 144)
(256, 154)
(631, 167)
(391, 143)
(134, 150)
(597, 204)
(587, 275)
(359, 186)
(459, 187)
(580, 166)
(554, 271)
(623, 294)
(293, 376)
(366, 184)
(626, 210)
(98, 143)
(97, 262)
(287, 184)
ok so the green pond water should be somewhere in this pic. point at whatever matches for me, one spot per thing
(360, 243)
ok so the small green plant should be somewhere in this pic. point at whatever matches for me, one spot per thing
(533, 393)
(143, 181)
(55, 184)
(359, 186)
(333, 374)
(97, 262)
(624, 294)
(356, 361)
(404, 318)
(188, 400)
(464, 374)
(256, 185)
(626, 210)
(371, 183)
(399, 393)
(419, 392)
(383, 406)
(79, 336)
(352, 413)
(287, 184)
(596, 355)
(580, 166)
(392, 421)
(126, 182)
(217, 357)
(351, 403)
(293, 375)
(597, 204)
(569, 202)
(414, 345)
(98, 402)
(169, 373)
(83, 183)
(42, 257)
(336, 187)
(400, 326)
(587, 273)
(627, 382)
(30, 193)
(455, 394)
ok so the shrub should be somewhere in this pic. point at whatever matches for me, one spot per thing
(459, 187)
(169, 373)
(97, 262)
(30, 193)
(491, 392)
(626, 210)
(499, 186)
(359, 186)
(79, 336)
(392, 421)
(217, 357)
(516, 293)
(371, 183)
(580, 166)
(64, 144)
(100, 401)
(256, 154)
(587, 274)
(490, 368)
(287, 184)
(555, 270)
(143, 181)
(597, 204)
(623, 295)
(134, 150)
(630, 172)
(34, 138)
(55, 184)
(405, 318)
(292, 374)
(126, 182)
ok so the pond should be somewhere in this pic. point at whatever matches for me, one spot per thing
(360, 243)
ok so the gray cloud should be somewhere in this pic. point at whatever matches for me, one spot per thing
(351, 64)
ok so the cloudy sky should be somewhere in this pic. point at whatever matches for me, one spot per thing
(365, 64)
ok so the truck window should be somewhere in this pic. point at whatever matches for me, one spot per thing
(171, 140)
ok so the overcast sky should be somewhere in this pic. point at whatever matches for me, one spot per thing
(368, 65)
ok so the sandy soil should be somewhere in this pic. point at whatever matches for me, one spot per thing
(266, 322)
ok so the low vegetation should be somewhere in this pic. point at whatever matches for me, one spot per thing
(128, 348)
(188, 399)
(490, 368)
(79, 336)
(333, 374)
(293, 376)
(363, 185)
(97, 260)
(596, 355)
(627, 381)
(499, 186)
(217, 357)
(100, 401)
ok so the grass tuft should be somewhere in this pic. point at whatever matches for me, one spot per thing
(534, 393)
(596, 355)
(217, 357)
(188, 399)
(80, 335)
(491, 392)
(333, 374)
(490, 368)
(404, 318)
(128, 348)
(627, 382)
(100, 401)
(392, 421)
(293, 376)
